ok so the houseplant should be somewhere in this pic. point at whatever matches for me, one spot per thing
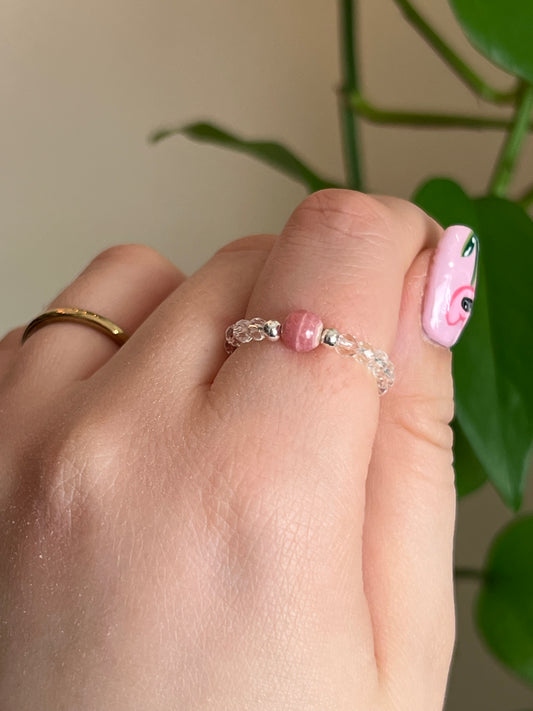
(494, 392)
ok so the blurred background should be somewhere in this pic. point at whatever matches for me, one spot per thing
(82, 86)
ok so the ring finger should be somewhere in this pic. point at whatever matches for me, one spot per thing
(9, 346)
(125, 284)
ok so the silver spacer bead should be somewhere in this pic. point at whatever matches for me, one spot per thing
(330, 337)
(272, 330)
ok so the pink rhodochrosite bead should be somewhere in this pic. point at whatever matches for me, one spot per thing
(301, 331)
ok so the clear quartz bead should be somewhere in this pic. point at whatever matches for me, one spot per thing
(366, 353)
(346, 345)
(256, 329)
(380, 359)
(377, 362)
(241, 332)
(230, 344)
(383, 384)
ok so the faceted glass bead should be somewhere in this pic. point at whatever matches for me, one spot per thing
(381, 358)
(241, 332)
(383, 384)
(346, 344)
(256, 329)
(366, 351)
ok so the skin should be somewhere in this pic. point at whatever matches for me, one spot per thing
(180, 529)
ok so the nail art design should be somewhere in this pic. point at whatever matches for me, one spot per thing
(451, 285)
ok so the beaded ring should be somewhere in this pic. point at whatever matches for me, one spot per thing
(304, 331)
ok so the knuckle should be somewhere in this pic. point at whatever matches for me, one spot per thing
(73, 465)
(399, 204)
(259, 242)
(424, 421)
(134, 261)
(410, 210)
(12, 338)
(58, 497)
(335, 214)
(130, 254)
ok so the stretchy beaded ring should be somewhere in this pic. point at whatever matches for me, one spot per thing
(303, 331)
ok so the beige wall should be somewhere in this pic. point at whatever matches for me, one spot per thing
(82, 85)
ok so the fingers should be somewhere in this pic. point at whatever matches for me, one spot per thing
(344, 256)
(125, 284)
(182, 343)
(9, 346)
(410, 513)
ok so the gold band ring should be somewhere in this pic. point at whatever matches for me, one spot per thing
(100, 323)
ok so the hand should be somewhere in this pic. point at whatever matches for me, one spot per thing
(183, 529)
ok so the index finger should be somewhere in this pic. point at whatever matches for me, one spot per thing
(343, 255)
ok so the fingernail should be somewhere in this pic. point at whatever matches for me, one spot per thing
(451, 285)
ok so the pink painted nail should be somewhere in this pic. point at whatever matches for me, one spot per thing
(451, 285)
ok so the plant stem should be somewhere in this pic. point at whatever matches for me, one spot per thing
(511, 148)
(411, 118)
(527, 198)
(350, 83)
(465, 573)
(465, 73)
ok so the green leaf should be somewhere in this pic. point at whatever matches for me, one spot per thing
(491, 363)
(469, 474)
(504, 609)
(274, 154)
(494, 388)
(446, 202)
(501, 30)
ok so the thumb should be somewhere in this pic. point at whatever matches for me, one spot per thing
(410, 512)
